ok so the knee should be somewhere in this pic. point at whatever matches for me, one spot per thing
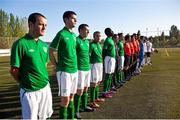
(64, 101)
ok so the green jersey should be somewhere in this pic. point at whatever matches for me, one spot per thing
(109, 47)
(120, 48)
(95, 53)
(83, 54)
(65, 44)
(31, 58)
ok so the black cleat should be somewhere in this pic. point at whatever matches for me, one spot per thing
(88, 109)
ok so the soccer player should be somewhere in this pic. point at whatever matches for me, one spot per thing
(84, 72)
(141, 54)
(65, 45)
(149, 51)
(135, 45)
(96, 69)
(132, 57)
(109, 55)
(127, 54)
(29, 58)
(121, 59)
(115, 80)
(145, 52)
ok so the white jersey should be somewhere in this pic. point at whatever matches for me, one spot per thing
(149, 46)
(145, 47)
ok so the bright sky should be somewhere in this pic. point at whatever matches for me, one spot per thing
(126, 16)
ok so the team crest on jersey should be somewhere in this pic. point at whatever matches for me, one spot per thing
(31, 50)
(67, 38)
(45, 49)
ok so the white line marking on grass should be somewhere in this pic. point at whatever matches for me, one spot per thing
(166, 52)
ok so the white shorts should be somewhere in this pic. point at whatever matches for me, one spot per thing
(36, 104)
(67, 83)
(121, 63)
(96, 72)
(110, 63)
(83, 79)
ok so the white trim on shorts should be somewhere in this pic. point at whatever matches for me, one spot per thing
(36, 104)
(67, 83)
(110, 63)
(96, 72)
(83, 79)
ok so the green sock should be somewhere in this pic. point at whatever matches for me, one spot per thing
(92, 91)
(84, 99)
(63, 113)
(77, 102)
(71, 110)
(105, 82)
(122, 74)
(109, 82)
(97, 92)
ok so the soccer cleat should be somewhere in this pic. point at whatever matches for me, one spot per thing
(77, 115)
(94, 105)
(106, 95)
(113, 89)
(100, 100)
(88, 109)
(111, 92)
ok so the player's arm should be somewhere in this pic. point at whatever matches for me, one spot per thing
(15, 73)
(104, 53)
(52, 56)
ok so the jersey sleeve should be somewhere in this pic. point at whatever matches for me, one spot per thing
(16, 54)
(55, 42)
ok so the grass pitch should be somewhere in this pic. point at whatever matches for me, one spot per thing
(155, 94)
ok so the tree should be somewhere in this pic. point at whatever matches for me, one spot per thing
(3, 23)
(11, 28)
(174, 32)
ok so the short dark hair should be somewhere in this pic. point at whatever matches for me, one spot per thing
(96, 32)
(82, 26)
(120, 34)
(115, 35)
(68, 14)
(108, 32)
(127, 36)
(32, 17)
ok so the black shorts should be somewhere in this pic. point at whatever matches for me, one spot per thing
(127, 60)
(148, 54)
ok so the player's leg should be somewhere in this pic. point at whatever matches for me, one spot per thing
(45, 106)
(64, 83)
(100, 77)
(29, 104)
(77, 97)
(85, 93)
(94, 83)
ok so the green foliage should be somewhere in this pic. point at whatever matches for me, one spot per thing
(173, 40)
(11, 27)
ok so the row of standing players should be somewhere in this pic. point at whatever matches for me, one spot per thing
(79, 65)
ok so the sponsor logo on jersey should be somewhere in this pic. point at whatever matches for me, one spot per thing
(67, 38)
(31, 50)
